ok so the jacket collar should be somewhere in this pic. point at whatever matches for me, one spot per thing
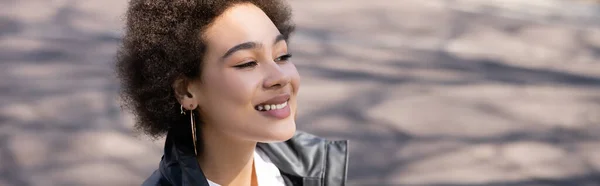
(315, 160)
(179, 165)
(303, 158)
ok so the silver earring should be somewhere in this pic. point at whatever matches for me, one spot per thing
(182, 112)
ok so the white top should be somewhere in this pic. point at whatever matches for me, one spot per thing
(267, 173)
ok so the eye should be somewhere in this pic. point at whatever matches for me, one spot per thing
(283, 57)
(247, 65)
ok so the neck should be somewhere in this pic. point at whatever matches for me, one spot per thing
(226, 160)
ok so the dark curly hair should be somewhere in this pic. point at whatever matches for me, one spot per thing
(162, 42)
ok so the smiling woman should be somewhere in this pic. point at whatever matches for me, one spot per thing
(216, 78)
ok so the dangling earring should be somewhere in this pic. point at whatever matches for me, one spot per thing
(193, 131)
(193, 127)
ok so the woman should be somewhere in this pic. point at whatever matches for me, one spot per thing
(216, 78)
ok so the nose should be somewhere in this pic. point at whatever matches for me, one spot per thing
(276, 77)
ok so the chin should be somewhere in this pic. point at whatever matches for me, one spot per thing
(281, 133)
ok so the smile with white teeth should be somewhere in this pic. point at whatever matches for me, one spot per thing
(270, 107)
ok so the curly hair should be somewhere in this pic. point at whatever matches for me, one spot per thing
(162, 42)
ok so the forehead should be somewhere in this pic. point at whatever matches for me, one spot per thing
(238, 24)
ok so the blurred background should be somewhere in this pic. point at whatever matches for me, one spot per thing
(429, 92)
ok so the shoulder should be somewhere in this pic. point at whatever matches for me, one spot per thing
(156, 179)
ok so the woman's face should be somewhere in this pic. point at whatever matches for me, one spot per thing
(249, 86)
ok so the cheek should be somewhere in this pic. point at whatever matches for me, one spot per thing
(295, 76)
(228, 88)
(238, 88)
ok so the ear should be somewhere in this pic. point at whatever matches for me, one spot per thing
(186, 93)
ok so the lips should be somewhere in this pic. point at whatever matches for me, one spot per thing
(276, 102)
(276, 107)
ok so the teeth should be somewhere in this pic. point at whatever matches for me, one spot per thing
(271, 107)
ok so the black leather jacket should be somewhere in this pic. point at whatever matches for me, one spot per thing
(304, 160)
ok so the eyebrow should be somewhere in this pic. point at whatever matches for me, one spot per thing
(250, 45)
